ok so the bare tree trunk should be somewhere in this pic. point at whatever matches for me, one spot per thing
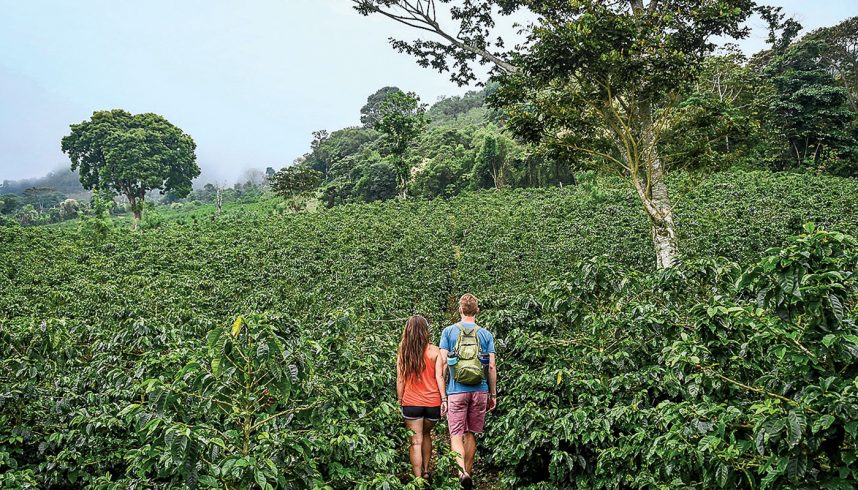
(655, 196)
(135, 222)
(663, 228)
(136, 210)
(403, 187)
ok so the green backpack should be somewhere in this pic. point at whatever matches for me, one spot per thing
(469, 369)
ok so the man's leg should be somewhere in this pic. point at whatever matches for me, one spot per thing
(470, 443)
(476, 422)
(416, 450)
(427, 444)
(457, 415)
(457, 444)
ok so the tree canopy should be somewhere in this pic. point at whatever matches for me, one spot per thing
(594, 77)
(132, 154)
(401, 119)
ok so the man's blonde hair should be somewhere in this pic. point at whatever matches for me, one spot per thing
(468, 305)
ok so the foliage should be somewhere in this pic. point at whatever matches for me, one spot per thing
(714, 127)
(371, 112)
(377, 182)
(812, 110)
(441, 159)
(131, 155)
(789, 107)
(294, 180)
(841, 54)
(495, 153)
(601, 79)
(98, 224)
(701, 376)
(116, 354)
(226, 417)
(454, 49)
(401, 119)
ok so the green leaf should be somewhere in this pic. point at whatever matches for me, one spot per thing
(760, 442)
(836, 307)
(208, 481)
(130, 408)
(259, 476)
(795, 424)
(722, 475)
(822, 423)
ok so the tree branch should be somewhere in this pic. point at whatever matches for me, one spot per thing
(427, 20)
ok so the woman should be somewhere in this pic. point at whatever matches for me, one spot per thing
(417, 383)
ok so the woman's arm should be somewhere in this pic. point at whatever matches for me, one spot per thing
(400, 382)
(440, 371)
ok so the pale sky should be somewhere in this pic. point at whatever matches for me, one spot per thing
(248, 80)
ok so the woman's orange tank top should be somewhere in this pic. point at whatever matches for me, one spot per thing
(422, 391)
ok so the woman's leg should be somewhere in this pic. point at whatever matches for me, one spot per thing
(427, 444)
(416, 450)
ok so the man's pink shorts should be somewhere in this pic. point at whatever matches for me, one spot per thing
(467, 412)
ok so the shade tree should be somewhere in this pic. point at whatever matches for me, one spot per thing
(597, 77)
(402, 119)
(294, 180)
(370, 113)
(132, 154)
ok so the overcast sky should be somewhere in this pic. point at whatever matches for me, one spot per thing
(249, 80)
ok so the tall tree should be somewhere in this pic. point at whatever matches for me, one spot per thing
(493, 158)
(294, 180)
(319, 158)
(370, 112)
(597, 77)
(809, 105)
(132, 154)
(840, 55)
(401, 119)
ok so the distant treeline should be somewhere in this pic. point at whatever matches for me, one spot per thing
(59, 196)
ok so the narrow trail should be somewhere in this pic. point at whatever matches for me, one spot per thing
(484, 480)
(454, 290)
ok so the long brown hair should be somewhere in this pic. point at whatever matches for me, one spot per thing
(415, 338)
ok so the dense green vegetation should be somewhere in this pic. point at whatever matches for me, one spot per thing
(256, 350)
(132, 155)
(791, 107)
(245, 336)
(638, 88)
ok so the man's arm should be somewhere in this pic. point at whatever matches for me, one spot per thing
(440, 373)
(493, 383)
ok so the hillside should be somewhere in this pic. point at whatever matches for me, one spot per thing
(118, 352)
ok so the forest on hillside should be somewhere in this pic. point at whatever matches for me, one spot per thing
(792, 107)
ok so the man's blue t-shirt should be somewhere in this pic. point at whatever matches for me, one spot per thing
(448, 343)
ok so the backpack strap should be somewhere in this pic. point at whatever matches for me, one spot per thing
(474, 331)
(479, 341)
(458, 337)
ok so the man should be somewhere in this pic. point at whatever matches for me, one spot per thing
(466, 403)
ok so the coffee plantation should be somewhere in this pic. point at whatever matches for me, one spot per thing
(257, 350)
